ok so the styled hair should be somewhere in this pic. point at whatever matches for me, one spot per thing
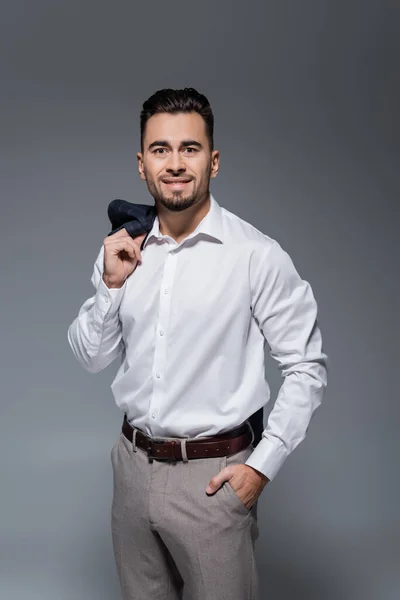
(178, 101)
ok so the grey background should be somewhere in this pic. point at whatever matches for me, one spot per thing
(306, 98)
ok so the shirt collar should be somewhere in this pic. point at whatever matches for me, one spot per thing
(210, 225)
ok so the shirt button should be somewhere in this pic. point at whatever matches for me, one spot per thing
(161, 332)
(105, 299)
(166, 291)
(158, 375)
(153, 415)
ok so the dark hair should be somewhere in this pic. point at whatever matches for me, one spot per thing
(177, 101)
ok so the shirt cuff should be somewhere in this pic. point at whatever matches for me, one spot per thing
(268, 456)
(108, 299)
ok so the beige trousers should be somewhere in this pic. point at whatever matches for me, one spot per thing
(171, 539)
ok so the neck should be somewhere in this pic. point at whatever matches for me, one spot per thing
(179, 225)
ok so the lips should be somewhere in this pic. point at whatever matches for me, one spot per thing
(169, 181)
(176, 184)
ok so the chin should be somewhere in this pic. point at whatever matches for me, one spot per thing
(177, 203)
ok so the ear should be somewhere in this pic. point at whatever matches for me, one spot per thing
(214, 163)
(141, 166)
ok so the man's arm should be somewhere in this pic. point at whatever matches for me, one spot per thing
(286, 312)
(95, 335)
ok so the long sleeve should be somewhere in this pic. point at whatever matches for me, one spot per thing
(95, 335)
(286, 312)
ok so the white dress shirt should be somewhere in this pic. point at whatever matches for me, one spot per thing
(190, 324)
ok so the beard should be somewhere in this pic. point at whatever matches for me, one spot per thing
(176, 201)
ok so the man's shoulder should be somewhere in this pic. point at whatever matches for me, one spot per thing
(238, 230)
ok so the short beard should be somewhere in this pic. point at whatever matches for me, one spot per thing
(178, 204)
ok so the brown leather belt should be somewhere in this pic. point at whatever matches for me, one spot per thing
(222, 444)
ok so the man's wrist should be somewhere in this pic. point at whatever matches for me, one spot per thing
(110, 283)
(263, 477)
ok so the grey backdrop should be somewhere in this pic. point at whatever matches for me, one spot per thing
(306, 99)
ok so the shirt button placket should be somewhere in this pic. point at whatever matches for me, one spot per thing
(161, 333)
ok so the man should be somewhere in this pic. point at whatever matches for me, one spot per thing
(190, 307)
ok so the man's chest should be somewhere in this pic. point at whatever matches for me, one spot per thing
(205, 284)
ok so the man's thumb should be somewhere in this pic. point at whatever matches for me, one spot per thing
(215, 483)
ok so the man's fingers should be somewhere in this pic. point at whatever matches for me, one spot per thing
(120, 233)
(124, 243)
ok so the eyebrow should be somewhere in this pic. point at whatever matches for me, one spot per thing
(166, 144)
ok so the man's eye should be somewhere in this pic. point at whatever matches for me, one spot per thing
(158, 149)
(192, 150)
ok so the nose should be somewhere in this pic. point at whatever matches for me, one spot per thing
(176, 163)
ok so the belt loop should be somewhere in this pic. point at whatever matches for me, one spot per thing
(183, 448)
(134, 447)
(251, 429)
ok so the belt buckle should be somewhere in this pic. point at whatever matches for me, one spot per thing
(151, 453)
(150, 448)
(174, 457)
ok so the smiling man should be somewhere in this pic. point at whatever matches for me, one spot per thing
(177, 162)
(189, 307)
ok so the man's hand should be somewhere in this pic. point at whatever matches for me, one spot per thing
(121, 256)
(247, 483)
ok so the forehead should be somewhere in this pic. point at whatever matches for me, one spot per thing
(175, 128)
